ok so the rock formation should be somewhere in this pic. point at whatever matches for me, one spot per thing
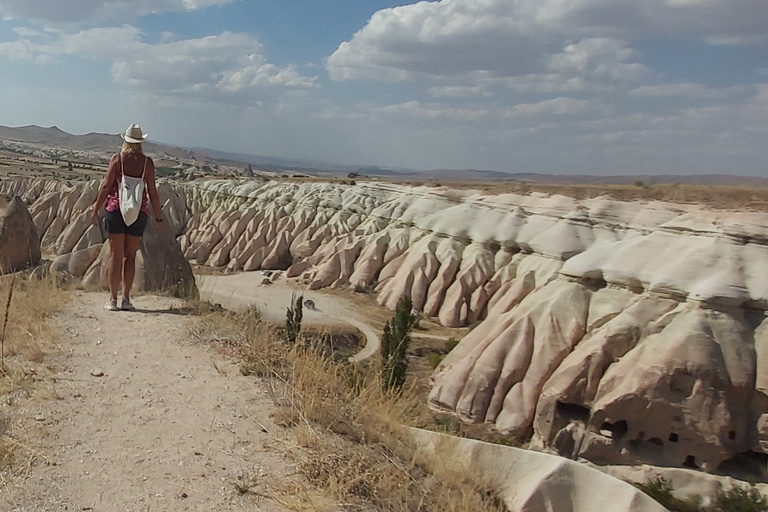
(613, 331)
(19, 242)
(60, 215)
(527, 481)
(160, 266)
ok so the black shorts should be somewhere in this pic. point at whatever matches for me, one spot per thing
(114, 224)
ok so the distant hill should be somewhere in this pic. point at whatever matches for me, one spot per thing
(107, 144)
(693, 179)
(96, 142)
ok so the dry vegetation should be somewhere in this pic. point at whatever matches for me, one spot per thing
(351, 437)
(29, 337)
(25, 166)
(719, 197)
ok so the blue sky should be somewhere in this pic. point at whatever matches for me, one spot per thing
(554, 86)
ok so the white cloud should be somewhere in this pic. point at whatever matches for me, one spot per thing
(223, 63)
(558, 107)
(428, 111)
(598, 58)
(458, 91)
(520, 38)
(685, 89)
(68, 11)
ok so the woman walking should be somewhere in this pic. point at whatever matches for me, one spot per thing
(130, 178)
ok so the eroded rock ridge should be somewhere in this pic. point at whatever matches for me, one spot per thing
(617, 332)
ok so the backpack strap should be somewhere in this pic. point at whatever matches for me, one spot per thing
(144, 172)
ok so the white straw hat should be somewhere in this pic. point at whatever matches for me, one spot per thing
(134, 135)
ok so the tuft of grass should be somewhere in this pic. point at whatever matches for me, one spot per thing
(735, 499)
(741, 499)
(29, 335)
(5, 322)
(352, 434)
(662, 491)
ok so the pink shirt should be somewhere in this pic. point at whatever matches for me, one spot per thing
(113, 199)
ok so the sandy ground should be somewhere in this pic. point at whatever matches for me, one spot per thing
(243, 289)
(143, 419)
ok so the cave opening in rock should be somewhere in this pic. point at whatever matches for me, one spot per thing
(749, 465)
(732, 435)
(618, 429)
(690, 462)
(573, 411)
(673, 437)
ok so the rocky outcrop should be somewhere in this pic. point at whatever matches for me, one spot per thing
(532, 482)
(160, 266)
(19, 242)
(60, 215)
(618, 332)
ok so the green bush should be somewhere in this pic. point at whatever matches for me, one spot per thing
(740, 499)
(394, 345)
(451, 343)
(661, 490)
(293, 319)
(434, 359)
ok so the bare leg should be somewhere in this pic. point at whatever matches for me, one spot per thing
(129, 266)
(115, 269)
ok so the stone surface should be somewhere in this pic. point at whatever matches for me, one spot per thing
(533, 482)
(19, 241)
(160, 266)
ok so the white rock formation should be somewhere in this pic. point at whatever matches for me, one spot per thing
(614, 331)
(533, 482)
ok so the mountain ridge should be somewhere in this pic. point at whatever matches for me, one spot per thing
(108, 143)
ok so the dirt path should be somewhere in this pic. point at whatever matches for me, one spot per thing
(169, 426)
(244, 289)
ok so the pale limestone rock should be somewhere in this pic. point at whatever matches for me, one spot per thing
(19, 241)
(160, 266)
(254, 262)
(693, 379)
(327, 274)
(76, 263)
(532, 482)
(74, 231)
(572, 292)
(370, 262)
(476, 269)
(94, 235)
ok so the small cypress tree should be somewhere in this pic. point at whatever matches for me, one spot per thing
(394, 345)
(293, 319)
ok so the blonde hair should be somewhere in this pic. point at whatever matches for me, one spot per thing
(132, 147)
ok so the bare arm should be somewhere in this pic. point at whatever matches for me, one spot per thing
(106, 186)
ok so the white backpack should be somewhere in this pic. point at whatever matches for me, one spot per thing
(131, 194)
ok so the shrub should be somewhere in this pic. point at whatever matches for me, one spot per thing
(394, 345)
(740, 499)
(661, 490)
(293, 319)
(451, 343)
(434, 359)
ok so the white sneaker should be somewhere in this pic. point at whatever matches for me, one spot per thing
(111, 305)
(126, 305)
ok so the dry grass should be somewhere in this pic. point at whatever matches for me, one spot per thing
(30, 336)
(352, 437)
(715, 196)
